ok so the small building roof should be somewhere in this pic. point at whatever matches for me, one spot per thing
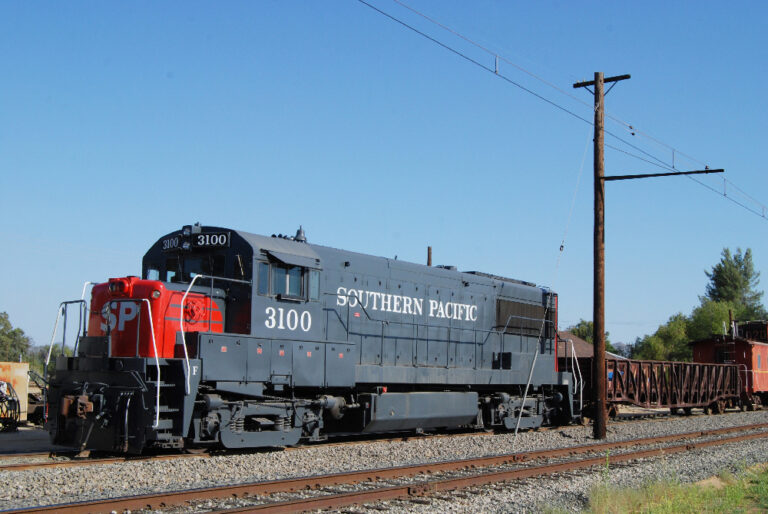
(580, 346)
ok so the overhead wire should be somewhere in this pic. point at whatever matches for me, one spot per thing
(761, 213)
(557, 88)
(653, 159)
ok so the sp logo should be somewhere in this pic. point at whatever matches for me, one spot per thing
(126, 311)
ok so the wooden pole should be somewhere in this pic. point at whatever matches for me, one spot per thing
(598, 317)
(598, 314)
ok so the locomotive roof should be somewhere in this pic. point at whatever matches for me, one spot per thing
(280, 247)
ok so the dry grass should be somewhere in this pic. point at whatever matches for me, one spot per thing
(747, 492)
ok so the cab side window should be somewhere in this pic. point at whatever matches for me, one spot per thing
(263, 278)
(288, 281)
(314, 285)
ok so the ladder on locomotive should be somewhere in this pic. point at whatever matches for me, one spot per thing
(170, 388)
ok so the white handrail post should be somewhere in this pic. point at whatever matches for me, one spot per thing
(53, 336)
(181, 329)
(157, 362)
(581, 379)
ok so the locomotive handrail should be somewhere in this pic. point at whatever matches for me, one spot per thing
(579, 380)
(62, 312)
(181, 317)
(154, 347)
(474, 330)
(488, 332)
(530, 374)
(85, 286)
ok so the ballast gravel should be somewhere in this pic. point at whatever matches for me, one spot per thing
(569, 491)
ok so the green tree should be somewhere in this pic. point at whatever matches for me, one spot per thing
(669, 342)
(38, 354)
(585, 330)
(708, 318)
(13, 342)
(735, 280)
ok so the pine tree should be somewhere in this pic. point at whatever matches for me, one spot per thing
(735, 280)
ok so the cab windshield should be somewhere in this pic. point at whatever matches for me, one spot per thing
(184, 267)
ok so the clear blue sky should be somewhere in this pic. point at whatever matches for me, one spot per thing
(122, 122)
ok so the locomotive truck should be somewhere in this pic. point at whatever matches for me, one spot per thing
(239, 340)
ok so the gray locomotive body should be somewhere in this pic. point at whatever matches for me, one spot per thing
(312, 342)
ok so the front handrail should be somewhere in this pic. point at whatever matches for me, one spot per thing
(85, 286)
(141, 301)
(181, 316)
(62, 314)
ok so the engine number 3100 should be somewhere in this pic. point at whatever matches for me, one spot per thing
(291, 319)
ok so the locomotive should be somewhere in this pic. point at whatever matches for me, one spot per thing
(236, 340)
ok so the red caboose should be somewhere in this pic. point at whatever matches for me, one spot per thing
(746, 347)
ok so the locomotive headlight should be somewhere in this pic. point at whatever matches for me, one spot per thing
(156, 294)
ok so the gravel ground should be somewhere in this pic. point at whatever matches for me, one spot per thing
(570, 492)
(50, 486)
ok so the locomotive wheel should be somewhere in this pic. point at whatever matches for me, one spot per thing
(687, 411)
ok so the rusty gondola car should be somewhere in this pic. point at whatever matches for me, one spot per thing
(708, 385)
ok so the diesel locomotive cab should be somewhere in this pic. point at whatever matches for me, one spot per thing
(132, 368)
(196, 254)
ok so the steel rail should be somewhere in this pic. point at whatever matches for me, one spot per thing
(165, 499)
(14, 455)
(21, 466)
(448, 484)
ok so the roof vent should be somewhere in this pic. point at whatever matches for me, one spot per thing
(300, 236)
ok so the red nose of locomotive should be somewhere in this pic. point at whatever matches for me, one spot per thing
(142, 317)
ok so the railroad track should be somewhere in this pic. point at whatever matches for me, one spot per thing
(433, 477)
(74, 459)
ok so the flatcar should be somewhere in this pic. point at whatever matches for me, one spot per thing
(238, 340)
